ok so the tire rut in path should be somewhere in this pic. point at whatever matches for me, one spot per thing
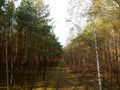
(66, 79)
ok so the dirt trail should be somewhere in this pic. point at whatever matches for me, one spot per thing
(67, 80)
(60, 78)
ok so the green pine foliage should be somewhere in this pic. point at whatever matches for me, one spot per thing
(32, 45)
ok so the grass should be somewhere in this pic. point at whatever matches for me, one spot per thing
(66, 81)
(45, 89)
(60, 77)
(11, 88)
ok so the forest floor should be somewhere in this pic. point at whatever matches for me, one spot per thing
(60, 78)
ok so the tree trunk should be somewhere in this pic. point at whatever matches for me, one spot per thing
(97, 57)
(44, 61)
(6, 55)
(11, 76)
(110, 65)
(117, 63)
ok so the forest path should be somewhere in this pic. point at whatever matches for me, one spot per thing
(60, 78)
(66, 79)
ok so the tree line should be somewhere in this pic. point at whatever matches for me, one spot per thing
(104, 17)
(27, 42)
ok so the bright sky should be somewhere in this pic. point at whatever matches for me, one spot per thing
(58, 11)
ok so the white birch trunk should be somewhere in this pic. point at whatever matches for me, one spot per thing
(97, 57)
